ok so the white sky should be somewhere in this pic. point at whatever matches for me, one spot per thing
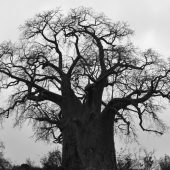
(149, 19)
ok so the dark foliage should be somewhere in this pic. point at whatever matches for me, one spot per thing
(124, 163)
(165, 162)
(52, 160)
(5, 164)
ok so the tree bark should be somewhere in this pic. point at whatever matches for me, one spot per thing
(89, 144)
(88, 140)
(70, 155)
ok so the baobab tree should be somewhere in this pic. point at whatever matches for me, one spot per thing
(79, 73)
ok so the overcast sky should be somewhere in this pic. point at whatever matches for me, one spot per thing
(148, 18)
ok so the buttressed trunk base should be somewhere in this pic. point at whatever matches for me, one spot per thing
(90, 145)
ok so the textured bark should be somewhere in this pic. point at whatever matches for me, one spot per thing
(89, 145)
(70, 156)
(88, 142)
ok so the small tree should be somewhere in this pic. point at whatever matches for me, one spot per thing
(165, 163)
(4, 163)
(148, 159)
(52, 160)
(124, 162)
(29, 162)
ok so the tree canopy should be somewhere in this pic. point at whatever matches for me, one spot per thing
(79, 67)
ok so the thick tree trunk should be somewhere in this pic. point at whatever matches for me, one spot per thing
(90, 145)
(88, 142)
(70, 155)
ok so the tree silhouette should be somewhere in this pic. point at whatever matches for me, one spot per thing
(79, 73)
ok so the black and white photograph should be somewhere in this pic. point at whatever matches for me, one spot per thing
(84, 85)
